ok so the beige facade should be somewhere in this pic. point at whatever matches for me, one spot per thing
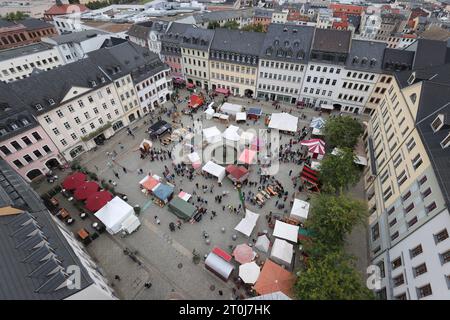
(196, 66)
(239, 79)
(128, 98)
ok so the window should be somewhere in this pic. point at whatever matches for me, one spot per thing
(5, 150)
(412, 222)
(74, 136)
(47, 119)
(396, 263)
(86, 114)
(423, 180)
(416, 162)
(409, 207)
(46, 149)
(18, 164)
(441, 236)
(398, 280)
(36, 136)
(414, 252)
(27, 141)
(59, 113)
(431, 207)
(37, 153)
(64, 142)
(392, 222)
(445, 257)
(16, 145)
(66, 125)
(375, 232)
(27, 158)
(437, 123)
(401, 296)
(55, 131)
(446, 142)
(426, 193)
(424, 291)
(395, 236)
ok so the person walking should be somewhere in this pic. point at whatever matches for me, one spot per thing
(117, 277)
(116, 174)
(147, 285)
(124, 169)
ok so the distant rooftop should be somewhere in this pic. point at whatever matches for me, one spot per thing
(77, 37)
(23, 51)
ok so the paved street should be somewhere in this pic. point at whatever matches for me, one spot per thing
(166, 256)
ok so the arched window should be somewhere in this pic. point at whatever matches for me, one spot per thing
(276, 42)
(4, 40)
(280, 53)
(16, 37)
(301, 55)
(286, 43)
(11, 40)
(355, 59)
(296, 44)
(289, 53)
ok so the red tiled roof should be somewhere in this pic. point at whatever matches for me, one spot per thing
(65, 9)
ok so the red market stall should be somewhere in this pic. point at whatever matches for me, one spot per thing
(73, 181)
(223, 91)
(237, 173)
(196, 101)
(310, 178)
(190, 86)
(98, 200)
(85, 190)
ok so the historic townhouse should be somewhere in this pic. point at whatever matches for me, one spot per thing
(24, 144)
(407, 182)
(234, 58)
(283, 61)
(19, 63)
(24, 32)
(148, 34)
(171, 50)
(195, 44)
(328, 57)
(360, 76)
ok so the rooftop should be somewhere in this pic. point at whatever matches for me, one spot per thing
(237, 41)
(77, 37)
(24, 51)
(329, 40)
(366, 56)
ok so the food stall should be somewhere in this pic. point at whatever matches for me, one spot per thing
(182, 209)
(163, 193)
(219, 266)
(118, 216)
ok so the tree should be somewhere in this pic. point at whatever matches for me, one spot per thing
(338, 172)
(15, 16)
(342, 132)
(333, 277)
(231, 25)
(258, 27)
(332, 218)
(213, 25)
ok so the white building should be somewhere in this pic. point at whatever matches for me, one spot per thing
(280, 16)
(20, 62)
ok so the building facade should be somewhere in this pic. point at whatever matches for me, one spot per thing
(23, 32)
(171, 50)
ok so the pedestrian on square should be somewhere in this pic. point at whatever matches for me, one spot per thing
(124, 169)
(116, 174)
(117, 277)
(147, 285)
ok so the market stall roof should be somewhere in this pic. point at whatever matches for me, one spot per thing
(237, 173)
(241, 116)
(285, 231)
(247, 156)
(163, 191)
(184, 196)
(231, 133)
(248, 223)
(74, 180)
(221, 253)
(210, 111)
(262, 243)
(300, 210)
(274, 278)
(316, 132)
(243, 253)
(314, 145)
(249, 272)
(326, 106)
(219, 265)
(231, 108)
(222, 90)
(255, 111)
(146, 144)
(181, 208)
(212, 135)
(114, 214)
(195, 101)
(283, 121)
(85, 190)
(97, 200)
(194, 157)
(358, 159)
(282, 252)
(317, 122)
(149, 183)
(215, 170)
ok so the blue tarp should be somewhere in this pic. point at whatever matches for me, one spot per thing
(255, 111)
(163, 192)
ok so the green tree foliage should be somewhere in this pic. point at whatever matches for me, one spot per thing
(15, 16)
(213, 25)
(231, 25)
(258, 27)
(332, 218)
(332, 277)
(338, 172)
(342, 132)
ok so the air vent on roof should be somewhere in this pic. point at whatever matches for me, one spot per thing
(51, 102)
(38, 107)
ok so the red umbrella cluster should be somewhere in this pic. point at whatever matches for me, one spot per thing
(73, 181)
(85, 190)
(97, 200)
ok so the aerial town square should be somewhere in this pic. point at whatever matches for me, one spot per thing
(224, 150)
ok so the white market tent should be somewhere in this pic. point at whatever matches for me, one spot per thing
(262, 243)
(283, 121)
(117, 215)
(194, 157)
(212, 135)
(231, 108)
(300, 210)
(209, 113)
(282, 252)
(249, 272)
(231, 133)
(218, 266)
(241, 116)
(215, 170)
(248, 223)
(286, 231)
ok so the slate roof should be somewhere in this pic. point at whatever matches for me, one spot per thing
(222, 15)
(197, 38)
(34, 254)
(30, 24)
(237, 41)
(24, 50)
(142, 30)
(396, 59)
(330, 40)
(366, 56)
(174, 33)
(77, 37)
(429, 53)
(297, 39)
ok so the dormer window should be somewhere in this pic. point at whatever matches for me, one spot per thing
(364, 61)
(51, 102)
(276, 42)
(38, 107)
(269, 51)
(355, 60)
(373, 62)
(25, 122)
(446, 142)
(14, 126)
(102, 79)
(437, 123)
(412, 78)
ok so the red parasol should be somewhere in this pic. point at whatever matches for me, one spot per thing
(85, 190)
(98, 200)
(74, 181)
(243, 253)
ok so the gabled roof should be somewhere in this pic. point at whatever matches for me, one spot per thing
(77, 37)
(429, 53)
(397, 60)
(197, 38)
(237, 41)
(174, 33)
(65, 9)
(366, 56)
(329, 40)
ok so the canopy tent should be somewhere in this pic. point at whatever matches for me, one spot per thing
(231, 133)
(195, 101)
(146, 145)
(300, 210)
(358, 159)
(317, 122)
(274, 278)
(221, 253)
(243, 253)
(117, 215)
(316, 132)
(85, 190)
(159, 128)
(271, 296)
(224, 91)
(315, 146)
(247, 224)
(218, 266)
(284, 122)
(221, 116)
(163, 192)
(195, 160)
(241, 116)
(215, 170)
(181, 208)
(97, 200)
(254, 113)
(231, 108)
(282, 252)
(285, 231)
(257, 144)
(73, 181)
(209, 113)
(262, 243)
(247, 137)
(212, 135)
(184, 196)
(149, 183)
(247, 156)
(310, 177)
(249, 272)
(237, 173)
(326, 106)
